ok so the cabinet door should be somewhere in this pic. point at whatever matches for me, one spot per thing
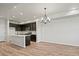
(33, 26)
(18, 28)
(12, 25)
(22, 27)
(27, 40)
(33, 38)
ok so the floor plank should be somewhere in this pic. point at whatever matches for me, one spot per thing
(38, 49)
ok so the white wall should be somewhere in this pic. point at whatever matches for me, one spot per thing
(62, 31)
(3, 29)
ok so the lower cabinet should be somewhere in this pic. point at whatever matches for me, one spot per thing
(27, 40)
(33, 38)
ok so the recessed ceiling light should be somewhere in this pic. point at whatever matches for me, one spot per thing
(13, 16)
(21, 13)
(14, 6)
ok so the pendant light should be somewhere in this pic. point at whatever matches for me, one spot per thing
(45, 19)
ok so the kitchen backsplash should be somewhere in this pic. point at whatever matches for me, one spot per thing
(25, 32)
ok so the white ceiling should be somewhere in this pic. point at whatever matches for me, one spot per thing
(29, 11)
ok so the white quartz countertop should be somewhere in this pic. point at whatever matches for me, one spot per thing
(20, 35)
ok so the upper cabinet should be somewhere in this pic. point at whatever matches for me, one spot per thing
(17, 26)
(33, 26)
(24, 27)
(29, 26)
(12, 25)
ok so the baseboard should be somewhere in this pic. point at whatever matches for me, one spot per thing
(2, 41)
(60, 43)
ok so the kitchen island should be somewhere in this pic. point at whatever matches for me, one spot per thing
(20, 40)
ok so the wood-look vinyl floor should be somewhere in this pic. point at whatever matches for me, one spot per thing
(38, 49)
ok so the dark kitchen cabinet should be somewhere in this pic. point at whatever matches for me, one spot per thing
(12, 25)
(24, 27)
(18, 28)
(29, 27)
(33, 38)
(33, 26)
(27, 40)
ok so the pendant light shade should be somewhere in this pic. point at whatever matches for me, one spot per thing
(45, 19)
